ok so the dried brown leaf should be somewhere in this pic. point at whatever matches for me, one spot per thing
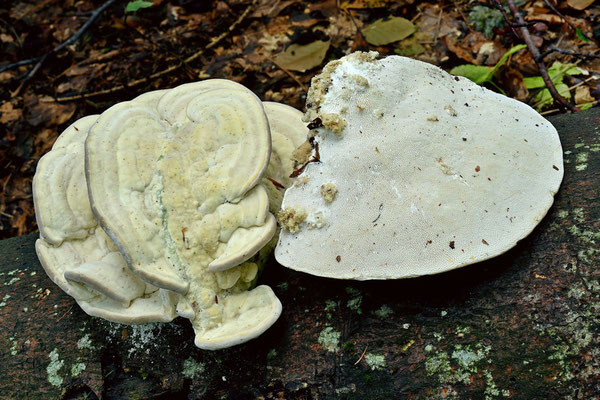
(583, 96)
(579, 4)
(45, 111)
(8, 113)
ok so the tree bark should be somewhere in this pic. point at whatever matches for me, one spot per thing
(524, 325)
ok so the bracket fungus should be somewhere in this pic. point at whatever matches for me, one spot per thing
(418, 172)
(174, 179)
(76, 253)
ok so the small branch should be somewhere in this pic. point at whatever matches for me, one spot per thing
(290, 74)
(549, 4)
(537, 57)
(68, 42)
(553, 49)
(170, 69)
(18, 64)
(500, 7)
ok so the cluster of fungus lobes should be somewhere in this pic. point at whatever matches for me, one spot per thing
(162, 206)
(418, 172)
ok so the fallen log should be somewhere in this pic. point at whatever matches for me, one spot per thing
(525, 325)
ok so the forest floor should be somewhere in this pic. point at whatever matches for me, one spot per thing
(63, 59)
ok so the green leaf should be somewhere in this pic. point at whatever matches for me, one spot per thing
(481, 74)
(506, 55)
(388, 30)
(477, 73)
(581, 36)
(544, 98)
(584, 107)
(135, 5)
(533, 82)
(556, 72)
(303, 57)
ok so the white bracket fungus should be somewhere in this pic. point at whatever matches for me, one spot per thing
(75, 252)
(174, 178)
(432, 172)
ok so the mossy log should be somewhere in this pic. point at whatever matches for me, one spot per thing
(525, 325)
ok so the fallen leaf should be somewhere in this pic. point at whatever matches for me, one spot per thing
(579, 4)
(358, 4)
(303, 57)
(410, 48)
(583, 96)
(511, 80)
(45, 110)
(8, 113)
(388, 30)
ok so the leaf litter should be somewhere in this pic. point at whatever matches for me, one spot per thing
(275, 49)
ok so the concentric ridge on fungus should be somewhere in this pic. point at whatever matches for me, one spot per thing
(217, 258)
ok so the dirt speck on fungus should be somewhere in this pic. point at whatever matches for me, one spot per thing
(329, 191)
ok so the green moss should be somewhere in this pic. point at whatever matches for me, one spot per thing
(383, 312)
(4, 300)
(355, 302)
(85, 343)
(581, 159)
(578, 215)
(375, 361)
(192, 369)
(52, 369)
(563, 214)
(77, 369)
(13, 346)
(348, 346)
(330, 305)
(329, 339)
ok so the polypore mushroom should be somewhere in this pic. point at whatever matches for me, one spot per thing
(176, 188)
(76, 253)
(418, 172)
(288, 132)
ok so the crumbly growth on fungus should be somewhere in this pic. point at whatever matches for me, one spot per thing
(359, 80)
(329, 191)
(290, 218)
(333, 122)
(319, 85)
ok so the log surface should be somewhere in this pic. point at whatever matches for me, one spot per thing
(525, 325)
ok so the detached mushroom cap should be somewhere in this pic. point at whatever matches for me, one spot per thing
(420, 172)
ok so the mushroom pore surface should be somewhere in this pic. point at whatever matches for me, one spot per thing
(418, 172)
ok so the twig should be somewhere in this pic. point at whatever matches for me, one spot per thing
(18, 64)
(553, 49)
(555, 110)
(64, 44)
(537, 57)
(289, 73)
(565, 19)
(438, 25)
(170, 69)
(362, 355)
(65, 314)
(500, 7)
